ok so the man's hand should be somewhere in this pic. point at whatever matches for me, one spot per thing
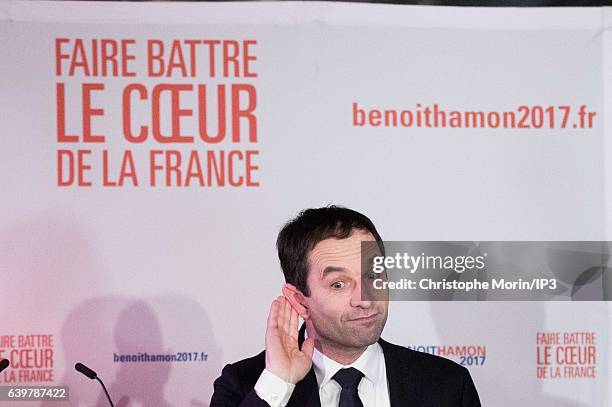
(283, 355)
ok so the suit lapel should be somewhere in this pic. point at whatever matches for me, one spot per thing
(306, 392)
(403, 379)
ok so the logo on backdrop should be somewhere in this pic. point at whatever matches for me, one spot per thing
(31, 358)
(193, 356)
(566, 355)
(156, 113)
(465, 355)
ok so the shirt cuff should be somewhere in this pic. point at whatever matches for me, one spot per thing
(273, 390)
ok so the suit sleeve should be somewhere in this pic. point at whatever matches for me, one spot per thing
(470, 395)
(228, 391)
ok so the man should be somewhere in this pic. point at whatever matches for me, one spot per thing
(337, 358)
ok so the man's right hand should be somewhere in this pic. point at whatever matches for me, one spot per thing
(283, 355)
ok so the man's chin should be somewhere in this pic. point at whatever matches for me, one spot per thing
(361, 338)
(359, 343)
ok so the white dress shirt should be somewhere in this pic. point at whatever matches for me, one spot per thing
(373, 388)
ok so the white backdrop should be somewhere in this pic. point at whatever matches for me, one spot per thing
(108, 271)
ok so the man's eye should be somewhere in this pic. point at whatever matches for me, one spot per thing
(338, 284)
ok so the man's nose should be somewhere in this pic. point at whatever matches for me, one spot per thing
(357, 299)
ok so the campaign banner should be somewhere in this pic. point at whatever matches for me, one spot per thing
(151, 152)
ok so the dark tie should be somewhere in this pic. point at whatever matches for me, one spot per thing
(349, 380)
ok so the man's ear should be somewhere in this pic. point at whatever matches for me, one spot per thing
(296, 299)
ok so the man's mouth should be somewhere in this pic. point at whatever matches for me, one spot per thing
(365, 318)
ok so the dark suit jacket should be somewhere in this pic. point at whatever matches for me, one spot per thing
(415, 380)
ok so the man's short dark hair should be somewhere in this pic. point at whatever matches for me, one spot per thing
(300, 235)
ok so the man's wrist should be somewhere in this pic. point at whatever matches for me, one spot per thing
(273, 390)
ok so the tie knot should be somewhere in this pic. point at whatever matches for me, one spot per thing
(348, 378)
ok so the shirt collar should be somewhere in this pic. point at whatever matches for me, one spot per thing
(368, 364)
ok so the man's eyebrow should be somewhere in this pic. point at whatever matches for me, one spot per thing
(331, 269)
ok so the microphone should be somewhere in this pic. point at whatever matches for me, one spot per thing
(4, 363)
(86, 371)
(81, 368)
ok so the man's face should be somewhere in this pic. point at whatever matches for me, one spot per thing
(339, 316)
